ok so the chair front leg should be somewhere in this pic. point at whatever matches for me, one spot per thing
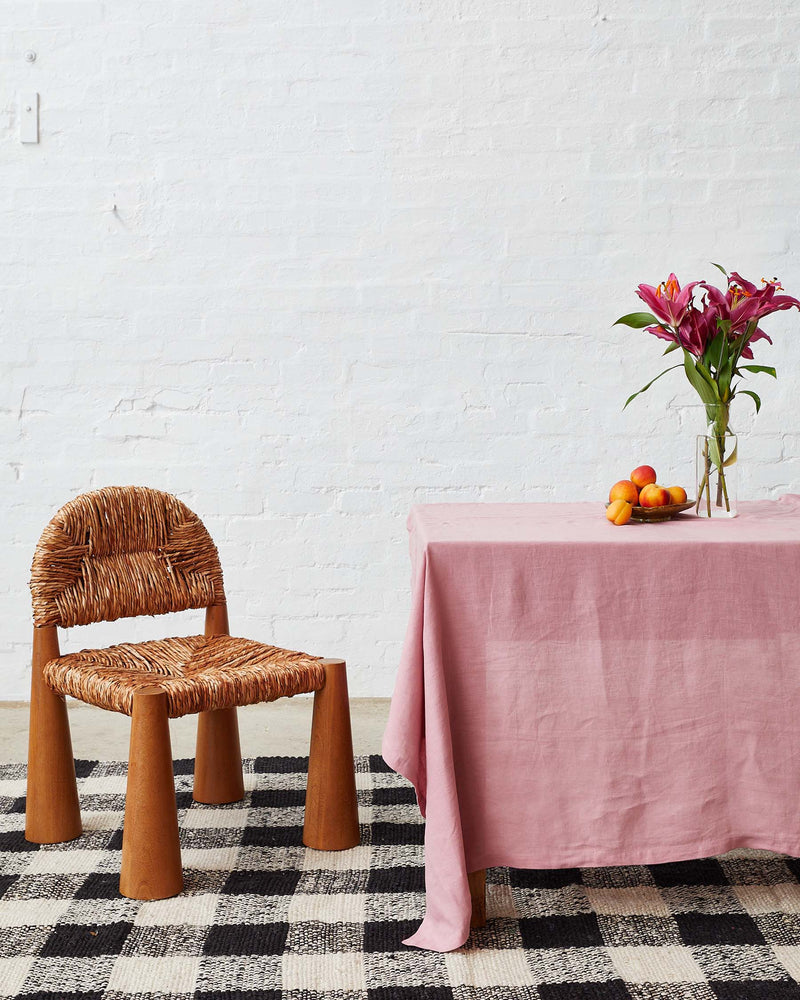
(151, 850)
(331, 820)
(52, 811)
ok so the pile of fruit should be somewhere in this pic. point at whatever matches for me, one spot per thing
(641, 490)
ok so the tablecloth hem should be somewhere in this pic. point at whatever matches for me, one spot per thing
(427, 940)
(669, 855)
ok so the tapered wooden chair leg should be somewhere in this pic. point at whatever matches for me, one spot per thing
(218, 758)
(218, 755)
(217, 620)
(477, 891)
(52, 812)
(151, 852)
(331, 820)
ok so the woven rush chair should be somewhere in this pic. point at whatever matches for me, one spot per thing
(125, 551)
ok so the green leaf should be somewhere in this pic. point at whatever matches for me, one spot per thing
(698, 381)
(709, 379)
(716, 444)
(732, 458)
(719, 267)
(631, 398)
(713, 450)
(725, 370)
(755, 396)
(637, 321)
(742, 341)
(724, 325)
(671, 348)
(707, 376)
(724, 380)
(759, 368)
(716, 353)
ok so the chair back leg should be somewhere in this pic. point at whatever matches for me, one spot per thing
(218, 758)
(218, 755)
(52, 811)
(151, 852)
(331, 819)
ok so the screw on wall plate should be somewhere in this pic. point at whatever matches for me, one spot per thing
(30, 56)
(29, 117)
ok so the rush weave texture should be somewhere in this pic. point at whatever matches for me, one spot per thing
(119, 552)
(198, 673)
(264, 918)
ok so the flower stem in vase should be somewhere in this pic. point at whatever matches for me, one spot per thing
(703, 482)
(724, 486)
(721, 472)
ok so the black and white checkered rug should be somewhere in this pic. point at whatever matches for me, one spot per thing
(263, 917)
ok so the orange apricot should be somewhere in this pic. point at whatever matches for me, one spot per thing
(624, 490)
(643, 476)
(677, 494)
(654, 496)
(619, 512)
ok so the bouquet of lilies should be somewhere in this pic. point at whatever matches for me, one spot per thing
(715, 330)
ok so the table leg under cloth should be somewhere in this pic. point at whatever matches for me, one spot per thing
(477, 893)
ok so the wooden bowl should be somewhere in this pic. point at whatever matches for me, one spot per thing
(660, 513)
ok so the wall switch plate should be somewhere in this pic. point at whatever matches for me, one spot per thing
(29, 117)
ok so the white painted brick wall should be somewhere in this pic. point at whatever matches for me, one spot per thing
(366, 253)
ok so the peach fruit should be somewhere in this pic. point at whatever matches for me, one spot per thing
(619, 512)
(643, 476)
(624, 490)
(677, 494)
(654, 496)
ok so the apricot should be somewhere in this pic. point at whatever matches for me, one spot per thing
(654, 496)
(643, 476)
(677, 494)
(624, 490)
(619, 512)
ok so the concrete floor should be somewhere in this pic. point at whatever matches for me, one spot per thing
(281, 728)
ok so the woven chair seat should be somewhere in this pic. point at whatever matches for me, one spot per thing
(197, 673)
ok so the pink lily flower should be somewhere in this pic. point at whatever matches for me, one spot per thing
(662, 332)
(668, 302)
(743, 302)
(698, 329)
(694, 331)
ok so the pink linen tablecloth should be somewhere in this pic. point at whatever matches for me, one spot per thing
(574, 694)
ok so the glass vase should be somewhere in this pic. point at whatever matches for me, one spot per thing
(717, 459)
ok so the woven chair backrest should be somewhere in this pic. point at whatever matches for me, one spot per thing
(119, 552)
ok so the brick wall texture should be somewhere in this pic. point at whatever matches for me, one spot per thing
(307, 263)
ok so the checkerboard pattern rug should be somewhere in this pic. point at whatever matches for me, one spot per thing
(263, 917)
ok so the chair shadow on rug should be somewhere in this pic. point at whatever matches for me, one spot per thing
(121, 552)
